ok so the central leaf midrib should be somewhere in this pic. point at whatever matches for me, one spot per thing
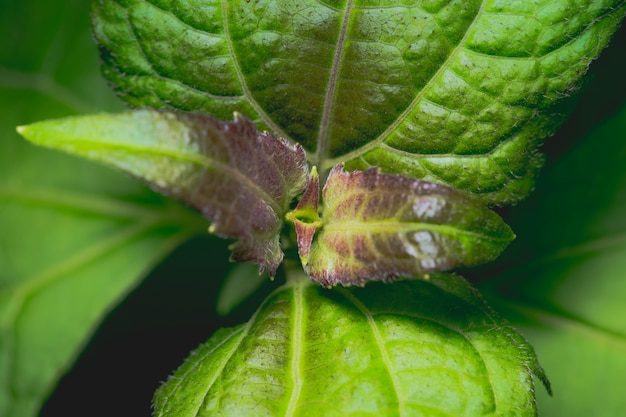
(321, 149)
(74, 202)
(358, 152)
(297, 336)
(367, 227)
(186, 157)
(21, 290)
(529, 307)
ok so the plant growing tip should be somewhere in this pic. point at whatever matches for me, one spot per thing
(378, 226)
(305, 216)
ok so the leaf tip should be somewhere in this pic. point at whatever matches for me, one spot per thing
(537, 370)
(28, 133)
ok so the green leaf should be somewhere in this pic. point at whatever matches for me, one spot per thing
(66, 260)
(240, 179)
(567, 292)
(412, 348)
(75, 238)
(379, 226)
(455, 92)
(240, 283)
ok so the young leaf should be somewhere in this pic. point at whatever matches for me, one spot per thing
(240, 179)
(240, 283)
(379, 226)
(305, 217)
(455, 92)
(408, 349)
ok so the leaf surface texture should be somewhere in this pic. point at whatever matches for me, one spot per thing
(456, 92)
(377, 226)
(240, 179)
(409, 349)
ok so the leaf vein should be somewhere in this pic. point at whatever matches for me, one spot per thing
(21, 293)
(322, 138)
(411, 107)
(242, 80)
(45, 85)
(296, 348)
(202, 161)
(405, 227)
(200, 360)
(78, 202)
(381, 347)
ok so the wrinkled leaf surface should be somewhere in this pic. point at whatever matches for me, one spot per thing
(456, 92)
(409, 349)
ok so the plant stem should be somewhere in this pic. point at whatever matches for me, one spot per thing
(294, 273)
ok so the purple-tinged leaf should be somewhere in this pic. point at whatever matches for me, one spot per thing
(305, 216)
(240, 179)
(379, 226)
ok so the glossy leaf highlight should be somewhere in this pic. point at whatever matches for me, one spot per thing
(409, 349)
(240, 179)
(378, 226)
(455, 92)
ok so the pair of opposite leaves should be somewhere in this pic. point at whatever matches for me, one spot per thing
(402, 80)
(373, 226)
